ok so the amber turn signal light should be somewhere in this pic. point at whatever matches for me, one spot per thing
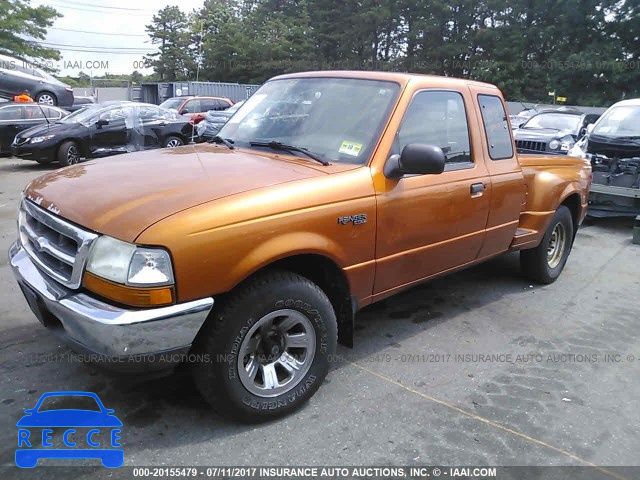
(134, 296)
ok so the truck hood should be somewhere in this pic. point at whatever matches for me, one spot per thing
(121, 196)
(540, 134)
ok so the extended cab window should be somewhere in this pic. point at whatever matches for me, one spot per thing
(496, 127)
(437, 118)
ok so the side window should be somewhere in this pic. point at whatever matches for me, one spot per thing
(210, 104)
(11, 113)
(35, 112)
(496, 127)
(437, 118)
(192, 106)
(149, 113)
(52, 113)
(222, 105)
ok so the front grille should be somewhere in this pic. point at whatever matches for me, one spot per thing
(20, 141)
(57, 247)
(529, 145)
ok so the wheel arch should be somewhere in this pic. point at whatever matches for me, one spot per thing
(326, 274)
(573, 202)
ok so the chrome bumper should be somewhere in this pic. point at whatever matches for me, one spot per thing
(96, 327)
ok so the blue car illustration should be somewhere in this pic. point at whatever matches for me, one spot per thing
(93, 432)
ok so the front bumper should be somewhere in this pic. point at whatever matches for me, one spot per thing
(131, 340)
(43, 151)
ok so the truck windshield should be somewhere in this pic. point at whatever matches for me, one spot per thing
(336, 119)
(622, 121)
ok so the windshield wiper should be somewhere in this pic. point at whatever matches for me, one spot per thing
(218, 139)
(290, 148)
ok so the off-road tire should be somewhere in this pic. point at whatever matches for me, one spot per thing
(539, 263)
(216, 371)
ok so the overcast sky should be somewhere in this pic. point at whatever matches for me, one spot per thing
(117, 40)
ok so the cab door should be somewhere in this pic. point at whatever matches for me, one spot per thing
(428, 224)
(508, 193)
(111, 130)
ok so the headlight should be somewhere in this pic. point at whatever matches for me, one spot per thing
(41, 139)
(126, 264)
(128, 274)
(554, 144)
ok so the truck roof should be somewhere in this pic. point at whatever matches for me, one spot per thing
(399, 77)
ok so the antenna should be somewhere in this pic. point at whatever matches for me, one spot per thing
(43, 114)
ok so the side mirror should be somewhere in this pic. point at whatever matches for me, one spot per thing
(415, 159)
(183, 111)
(590, 128)
(102, 122)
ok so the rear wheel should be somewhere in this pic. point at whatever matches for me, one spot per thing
(47, 98)
(68, 153)
(545, 262)
(267, 350)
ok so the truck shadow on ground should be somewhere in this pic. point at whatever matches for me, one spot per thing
(153, 410)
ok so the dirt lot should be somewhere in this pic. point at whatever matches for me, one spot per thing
(480, 367)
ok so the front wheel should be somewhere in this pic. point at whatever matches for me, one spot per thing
(172, 142)
(267, 350)
(545, 262)
(68, 153)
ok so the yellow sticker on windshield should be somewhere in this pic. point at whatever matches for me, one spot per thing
(350, 148)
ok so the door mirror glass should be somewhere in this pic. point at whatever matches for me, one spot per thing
(416, 159)
(102, 122)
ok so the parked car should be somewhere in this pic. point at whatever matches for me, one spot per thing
(196, 107)
(99, 131)
(16, 117)
(81, 102)
(255, 254)
(214, 120)
(17, 75)
(612, 145)
(552, 131)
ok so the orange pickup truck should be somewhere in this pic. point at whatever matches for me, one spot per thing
(247, 258)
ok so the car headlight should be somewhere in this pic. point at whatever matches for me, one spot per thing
(129, 274)
(41, 139)
(554, 144)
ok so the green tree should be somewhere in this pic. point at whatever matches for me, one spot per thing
(21, 28)
(169, 30)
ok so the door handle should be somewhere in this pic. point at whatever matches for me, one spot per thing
(477, 188)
